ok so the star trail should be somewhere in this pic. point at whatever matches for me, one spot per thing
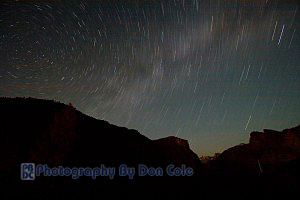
(207, 71)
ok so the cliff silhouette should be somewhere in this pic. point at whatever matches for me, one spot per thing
(268, 167)
(266, 153)
(48, 132)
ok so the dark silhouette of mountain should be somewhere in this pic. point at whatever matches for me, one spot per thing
(268, 165)
(47, 132)
(52, 133)
(265, 152)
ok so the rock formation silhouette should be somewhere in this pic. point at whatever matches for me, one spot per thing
(48, 132)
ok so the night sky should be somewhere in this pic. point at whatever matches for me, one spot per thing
(207, 71)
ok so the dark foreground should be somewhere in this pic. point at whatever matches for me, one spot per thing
(46, 132)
